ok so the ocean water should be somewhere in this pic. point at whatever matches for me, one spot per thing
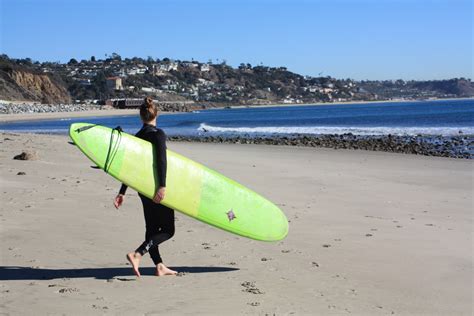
(446, 118)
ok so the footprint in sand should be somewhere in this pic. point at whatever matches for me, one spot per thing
(68, 290)
(250, 287)
(99, 307)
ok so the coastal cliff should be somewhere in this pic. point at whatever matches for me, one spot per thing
(22, 84)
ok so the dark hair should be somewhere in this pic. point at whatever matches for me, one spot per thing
(148, 110)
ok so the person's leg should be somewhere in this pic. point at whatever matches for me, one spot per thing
(167, 229)
(151, 224)
(159, 221)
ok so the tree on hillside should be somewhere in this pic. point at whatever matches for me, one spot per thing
(100, 85)
(72, 61)
(116, 56)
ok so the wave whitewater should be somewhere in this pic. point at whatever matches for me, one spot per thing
(340, 130)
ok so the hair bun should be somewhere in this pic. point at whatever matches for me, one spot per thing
(148, 102)
(148, 110)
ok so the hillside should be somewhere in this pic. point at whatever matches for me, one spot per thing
(22, 83)
(204, 83)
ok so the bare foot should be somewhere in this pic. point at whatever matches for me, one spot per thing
(134, 259)
(161, 270)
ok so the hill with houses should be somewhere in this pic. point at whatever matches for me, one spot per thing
(209, 83)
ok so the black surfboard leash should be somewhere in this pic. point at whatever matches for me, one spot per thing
(112, 147)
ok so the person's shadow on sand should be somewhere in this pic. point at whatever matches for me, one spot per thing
(26, 273)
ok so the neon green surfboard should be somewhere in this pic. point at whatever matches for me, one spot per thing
(191, 188)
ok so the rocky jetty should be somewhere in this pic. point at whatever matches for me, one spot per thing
(176, 106)
(10, 108)
(441, 146)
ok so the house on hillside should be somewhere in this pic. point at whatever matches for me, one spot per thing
(157, 71)
(114, 83)
(141, 69)
(137, 70)
(169, 66)
(205, 67)
(189, 65)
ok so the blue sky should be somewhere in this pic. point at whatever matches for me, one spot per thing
(359, 39)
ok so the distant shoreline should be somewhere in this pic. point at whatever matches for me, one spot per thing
(336, 103)
(6, 118)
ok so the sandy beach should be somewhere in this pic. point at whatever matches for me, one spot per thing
(371, 233)
(58, 115)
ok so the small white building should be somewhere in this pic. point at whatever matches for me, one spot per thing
(169, 66)
(190, 65)
(132, 71)
(173, 87)
(141, 69)
(158, 71)
(150, 90)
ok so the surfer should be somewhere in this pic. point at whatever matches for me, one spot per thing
(159, 219)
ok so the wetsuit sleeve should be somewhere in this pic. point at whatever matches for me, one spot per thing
(123, 188)
(159, 141)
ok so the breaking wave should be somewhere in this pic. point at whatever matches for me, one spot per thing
(339, 130)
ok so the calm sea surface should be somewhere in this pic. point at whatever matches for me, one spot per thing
(448, 118)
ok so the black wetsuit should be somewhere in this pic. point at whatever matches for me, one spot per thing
(159, 219)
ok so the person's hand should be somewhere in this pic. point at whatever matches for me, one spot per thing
(118, 201)
(160, 195)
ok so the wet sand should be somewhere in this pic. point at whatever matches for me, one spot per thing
(371, 233)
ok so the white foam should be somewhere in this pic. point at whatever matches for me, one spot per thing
(338, 130)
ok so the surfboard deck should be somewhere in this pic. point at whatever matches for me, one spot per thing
(192, 188)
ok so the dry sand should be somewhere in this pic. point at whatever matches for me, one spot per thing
(370, 234)
(57, 115)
